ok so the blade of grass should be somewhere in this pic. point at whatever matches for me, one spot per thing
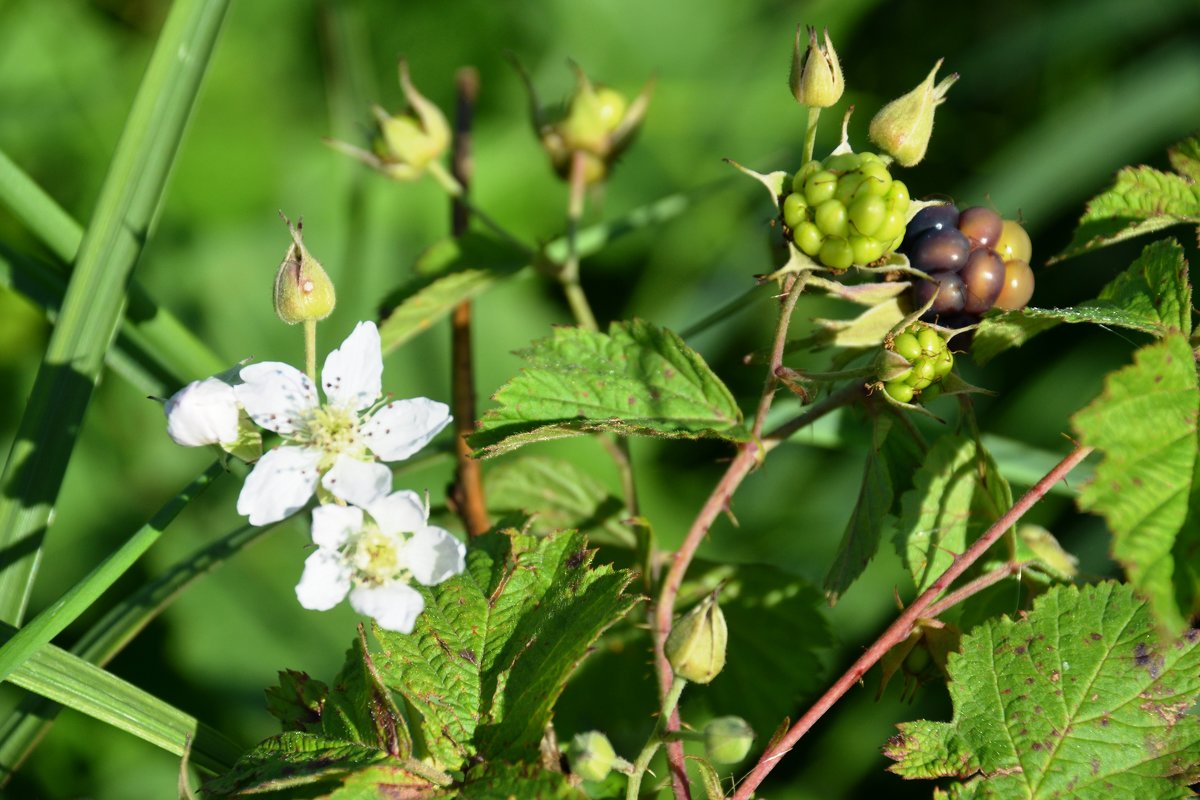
(26, 725)
(70, 681)
(92, 305)
(154, 351)
(62, 612)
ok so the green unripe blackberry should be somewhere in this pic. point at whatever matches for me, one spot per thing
(927, 357)
(845, 210)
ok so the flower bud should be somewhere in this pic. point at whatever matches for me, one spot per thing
(727, 740)
(592, 756)
(303, 291)
(599, 124)
(696, 645)
(816, 76)
(903, 126)
(405, 143)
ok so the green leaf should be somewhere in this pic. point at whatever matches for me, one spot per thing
(1080, 699)
(1142, 200)
(450, 272)
(637, 379)
(359, 708)
(80, 597)
(956, 495)
(763, 608)
(1152, 296)
(1185, 158)
(57, 675)
(494, 647)
(864, 331)
(91, 309)
(861, 539)
(1145, 424)
(296, 759)
(498, 781)
(557, 495)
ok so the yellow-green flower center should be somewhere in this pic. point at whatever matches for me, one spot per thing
(333, 431)
(376, 555)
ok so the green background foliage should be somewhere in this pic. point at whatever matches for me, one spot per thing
(1054, 97)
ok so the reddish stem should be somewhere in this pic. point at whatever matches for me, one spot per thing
(899, 630)
(467, 491)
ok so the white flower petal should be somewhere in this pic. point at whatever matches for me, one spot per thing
(280, 484)
(433, 555)
(325, 581)
(352, 375)
(403, 427)
(399, 512)
(358, 482)
(332, 526)
(394, 605)
(277, 396)
(203, 412)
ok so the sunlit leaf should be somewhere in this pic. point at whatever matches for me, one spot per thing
(1080, 699)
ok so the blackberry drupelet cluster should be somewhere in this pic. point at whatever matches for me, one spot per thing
(846, 210)
(975, 261)
(928, 360)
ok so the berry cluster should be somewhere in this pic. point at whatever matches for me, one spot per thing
(846, 210)
(975, 260)
(915, 363)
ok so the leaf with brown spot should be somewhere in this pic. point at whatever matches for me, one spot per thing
(1121, 730)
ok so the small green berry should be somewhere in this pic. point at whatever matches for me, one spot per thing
(836, 253)
(899, 391)
(794, 209)
(808, 238)
(931, 343)
(906, 344)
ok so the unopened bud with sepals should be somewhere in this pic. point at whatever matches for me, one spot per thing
(816, 75)
(903, 126)
(696, 645)
(303, 291)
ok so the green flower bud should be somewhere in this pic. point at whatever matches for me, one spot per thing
(303, 291)
(405, 143)
(592, 756)
(727, 740)
(816, 76)
(696, 645)
(903, 126)
(599, 124)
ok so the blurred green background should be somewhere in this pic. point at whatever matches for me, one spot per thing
(1054, 96)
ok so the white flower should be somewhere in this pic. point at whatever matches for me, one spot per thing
(203, 412)
(372, 556)
(336, 442)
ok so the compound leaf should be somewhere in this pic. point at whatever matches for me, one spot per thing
(1079, 699)
(1145, 424)
(494, 647)
(637, 379)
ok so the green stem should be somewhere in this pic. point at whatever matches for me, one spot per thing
(656, 739)
(455, 190)
(810, 134)
(568, 274)
(310, 349)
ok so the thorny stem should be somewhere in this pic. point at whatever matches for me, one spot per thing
(669, 704)
(972, 588)
(899, 630)
(747, 457)
(467, 491)
(310, 349)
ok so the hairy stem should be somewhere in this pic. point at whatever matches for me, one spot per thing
(568, 273)
(899, 630)
(810, 134)
(467, 491)
(310, 349)
(669, 705)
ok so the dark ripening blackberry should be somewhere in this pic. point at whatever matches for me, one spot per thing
(929, 218)
(939, 250)
(981, 263)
